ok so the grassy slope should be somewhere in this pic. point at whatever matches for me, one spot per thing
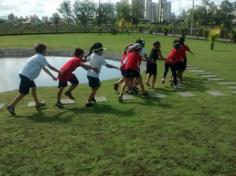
(172, 136)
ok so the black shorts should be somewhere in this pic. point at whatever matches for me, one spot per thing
(132, 74)
(94, 82)
(179, 66)
(25, 85)
(151, 69)
(73, 80)
(122, 73)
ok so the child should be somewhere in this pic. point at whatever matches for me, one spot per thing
(132, 70)
(173, 60)
(29, 72)
(122, 67)
(96, 60)
(67, 75)
(184, 49)
(152, 63)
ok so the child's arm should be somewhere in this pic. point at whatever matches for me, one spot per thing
(53, 68)
(88, 67)
(112, 66)
(161, 57)
(49, 73)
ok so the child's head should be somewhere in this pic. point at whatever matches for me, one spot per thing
(97, 48)
(127, 48)
(141, 42)
(182, 40)
(137, 47)
(79, 53)
(157, 45)
(40, 49)
(177, 45)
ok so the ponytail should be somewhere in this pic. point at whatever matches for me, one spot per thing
(90, 52)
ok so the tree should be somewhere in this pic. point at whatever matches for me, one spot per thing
(123, 10)
(107, 13)
(137, 11)
(66, 10)
(55, 19)
(84, 11)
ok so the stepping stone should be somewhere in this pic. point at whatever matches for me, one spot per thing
(158, 95)
(216, 79)
(67, 101)
(197, 71)
(32, 104)
(232, 87)
(101, 99)
(185, 94)
(2, 105)
(128, 97)
(226, 83)
(216, 93)
(190, 65)
(234, 92)
(192, 68)
(202, 73)
(209, 76)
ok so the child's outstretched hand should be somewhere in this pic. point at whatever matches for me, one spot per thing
(54, 78)
(95, 70)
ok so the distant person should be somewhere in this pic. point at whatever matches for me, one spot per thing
(123, 61)
(151, 68)
(132, 70)
(173, 61)
(68, 76)
(184, 49)
(96, 60)
(29, 73)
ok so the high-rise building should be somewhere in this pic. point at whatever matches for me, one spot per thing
(164, 11)
(138, 8)
(148, 10)
(155, 12)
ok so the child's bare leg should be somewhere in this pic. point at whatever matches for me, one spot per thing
(93, 93)
(59, 93)
(148, 79)
(72, 87)
(141, 85)
(154, 81)
(17, 100)
(34, 94)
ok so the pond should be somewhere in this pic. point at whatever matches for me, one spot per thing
(10, 67)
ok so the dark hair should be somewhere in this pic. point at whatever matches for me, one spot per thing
(78, 52)
(177, 45)
(176, 41)
(182, 40)
(141, 42)
(95, 46)
(157, 43)
(40, 48)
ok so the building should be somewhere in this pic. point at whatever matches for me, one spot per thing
(44, 19)
(138, 8)
(164, 11)
(148, 10)
(11, 18)
(155, 12)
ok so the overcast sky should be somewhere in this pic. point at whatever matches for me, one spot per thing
(47, 7)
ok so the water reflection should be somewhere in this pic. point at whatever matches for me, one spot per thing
(9, 79)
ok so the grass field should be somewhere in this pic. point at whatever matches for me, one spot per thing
(170, 136)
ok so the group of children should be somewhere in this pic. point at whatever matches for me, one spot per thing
(131, 60)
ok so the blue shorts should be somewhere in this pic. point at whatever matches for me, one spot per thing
(94, 82)
(73, 80)
(25, 85)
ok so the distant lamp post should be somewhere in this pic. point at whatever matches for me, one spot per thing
(192, 20)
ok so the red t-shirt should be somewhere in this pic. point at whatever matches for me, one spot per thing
(133, 61)
(123, 61)
(175, 56)
(67, 69)
(184, 48)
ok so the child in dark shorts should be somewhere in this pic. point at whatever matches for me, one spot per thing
(68, 76)
(29, 73)
(152, 63)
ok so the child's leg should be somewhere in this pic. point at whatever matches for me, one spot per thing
(126, 83)
(59, 93)
(72, 87)
(174, 74)
(148, 79)
(17, 100)
(141, 85)
(166, 70)
(154, 81)
(92, 94)
(34, 94)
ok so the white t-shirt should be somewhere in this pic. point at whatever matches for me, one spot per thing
(33, 66)
(96, 61)
(143, 52)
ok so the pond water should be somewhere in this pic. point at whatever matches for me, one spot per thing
(10, 67)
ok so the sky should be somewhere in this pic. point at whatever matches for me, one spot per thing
(48, 7)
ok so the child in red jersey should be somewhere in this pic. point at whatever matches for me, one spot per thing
(123, 61)
(173, 61)
(67, 75)
(132, 70)
(184, 50)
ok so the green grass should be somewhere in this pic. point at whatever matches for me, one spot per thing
(171, 136)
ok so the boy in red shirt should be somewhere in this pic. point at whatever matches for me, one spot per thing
(67, 75)
(132, 70)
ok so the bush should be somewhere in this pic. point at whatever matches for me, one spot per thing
(233, 37)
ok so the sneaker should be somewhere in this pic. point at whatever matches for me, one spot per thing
(116, 87)
(94, 100)
(120, 99)
(11, 109)
(69, 95)
(163, 80)
(145, 94)
(89, 104)
(59, 105)
(40, 105)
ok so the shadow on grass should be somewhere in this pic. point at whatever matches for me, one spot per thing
(40, 116)
(102, 109)
(223, 51)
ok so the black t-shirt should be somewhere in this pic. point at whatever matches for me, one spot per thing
(154, 55)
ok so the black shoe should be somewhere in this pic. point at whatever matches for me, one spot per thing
(11, 109)
(145, 94)
(40, 105)
(59, 105)
(116, 87)
(93, 100)
(120, 99)
(88, 105)
(69, 95)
